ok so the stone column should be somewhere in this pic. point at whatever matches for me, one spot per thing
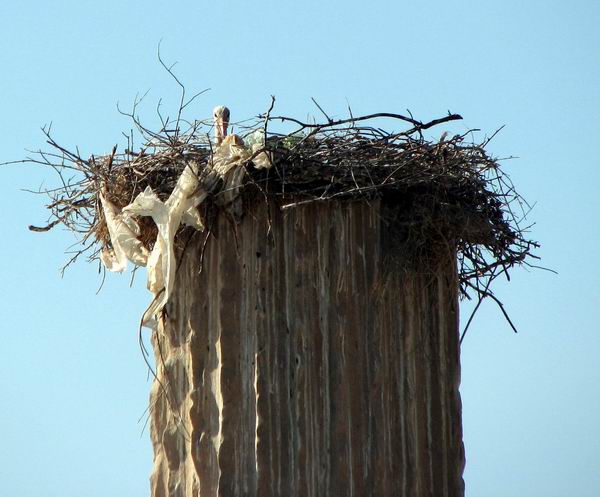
(299, 363)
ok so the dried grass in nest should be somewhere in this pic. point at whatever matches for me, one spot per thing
(448, 192)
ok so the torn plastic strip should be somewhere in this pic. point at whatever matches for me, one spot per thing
(124, 232)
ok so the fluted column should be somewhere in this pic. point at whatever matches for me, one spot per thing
(301, 363)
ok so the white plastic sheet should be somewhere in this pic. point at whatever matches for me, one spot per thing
(123, 233)
(181, 207)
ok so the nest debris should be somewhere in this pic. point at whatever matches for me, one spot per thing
(450, 190)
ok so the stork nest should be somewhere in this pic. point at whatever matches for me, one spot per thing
(448, 191)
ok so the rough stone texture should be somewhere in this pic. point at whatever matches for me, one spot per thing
(296, 365)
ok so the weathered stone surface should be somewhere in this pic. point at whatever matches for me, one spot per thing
(295, 365)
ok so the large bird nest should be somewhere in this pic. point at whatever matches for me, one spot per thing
(444, 191)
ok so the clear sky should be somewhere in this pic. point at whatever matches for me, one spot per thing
(72, 381)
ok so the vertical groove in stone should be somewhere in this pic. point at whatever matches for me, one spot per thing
(302, 368)
(286, 365)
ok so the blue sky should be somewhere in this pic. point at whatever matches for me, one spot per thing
(72, 380)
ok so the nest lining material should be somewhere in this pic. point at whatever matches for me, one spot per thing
(449, 190)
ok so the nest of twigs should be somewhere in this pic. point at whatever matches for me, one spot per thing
(446, 191)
